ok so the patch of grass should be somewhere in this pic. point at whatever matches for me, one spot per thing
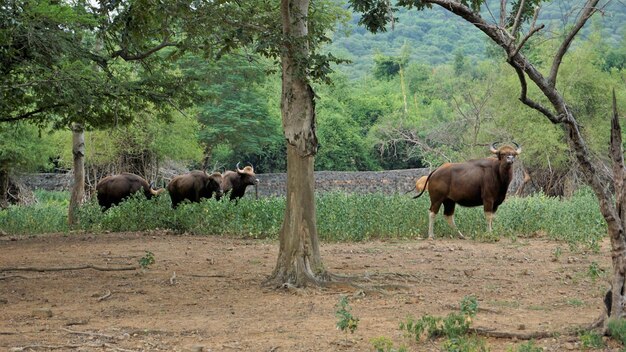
(340, 217)
(526, 347)
(575, 302)
(591, 340)
(465, 344)
(385, 344)
(617, 330)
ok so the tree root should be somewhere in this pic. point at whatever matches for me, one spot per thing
(68, 268)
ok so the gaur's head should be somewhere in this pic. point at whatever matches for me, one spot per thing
(247, 175)
(506, 153)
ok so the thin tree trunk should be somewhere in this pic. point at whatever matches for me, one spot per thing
(78, 188)
(4, 185)
(299, 262)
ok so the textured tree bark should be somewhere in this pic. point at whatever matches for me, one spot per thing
(4, 185)
(299, 262)
(78, 188)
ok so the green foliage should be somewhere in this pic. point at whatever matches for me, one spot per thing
(347, 321)
(385, 344)
(617, 330)
(465, 344)
(23, 147)
(594, 271)
(146, 260)
(452, 327)
(34, 219)
(591, 340)
(340, 217)
(527, 347)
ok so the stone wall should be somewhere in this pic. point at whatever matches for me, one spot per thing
(274, 184)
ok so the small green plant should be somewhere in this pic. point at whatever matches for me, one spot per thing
(556, 254)
(465, 344)
(594, 271)
(146, 260)
(527, 347)
(347, 321)
(384, 344)
(591, 340)
(454, 325)
(617, 330)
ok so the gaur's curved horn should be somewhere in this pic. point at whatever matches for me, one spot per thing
(518, 148)
(238, 169)
(250, 164)
(493, 148)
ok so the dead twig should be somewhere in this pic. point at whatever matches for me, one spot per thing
(173, 279)
(44, 347)
(14, 277)
(105, 296)
(87, 333)
(515, 335)
(200, 275)
(68, 268)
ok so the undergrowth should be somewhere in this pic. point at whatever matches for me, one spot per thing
(340, 217)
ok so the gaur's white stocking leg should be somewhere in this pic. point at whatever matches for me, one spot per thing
(450, 220)
(489, 216)
(431, 223)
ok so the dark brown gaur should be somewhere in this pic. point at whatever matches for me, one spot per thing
(195, 186)
(112, 190)
(469, 184)
(234, 183)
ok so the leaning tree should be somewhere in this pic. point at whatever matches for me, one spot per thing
(512, 30)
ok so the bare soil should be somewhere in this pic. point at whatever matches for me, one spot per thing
(207, 293)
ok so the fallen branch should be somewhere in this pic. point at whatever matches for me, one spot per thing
(13, 277)
(87, 333)
(67, 268)
(515, 335)
(43, 347)
(200, 275)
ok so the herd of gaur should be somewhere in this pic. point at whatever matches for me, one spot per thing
(473, 183)
(193, 186)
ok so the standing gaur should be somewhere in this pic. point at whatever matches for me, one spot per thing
(113, 189)
(469, 184)
(194, 186)
(235, 182)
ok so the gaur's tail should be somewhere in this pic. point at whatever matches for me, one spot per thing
(425, 184)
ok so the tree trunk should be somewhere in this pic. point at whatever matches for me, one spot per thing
(4, 185)
(299, 262)
(78, 188)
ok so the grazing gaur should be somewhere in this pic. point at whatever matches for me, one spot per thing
(194, 186)
(113, 189)
(469, 184)
(235, 182)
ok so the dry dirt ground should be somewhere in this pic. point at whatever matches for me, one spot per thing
(206, 293)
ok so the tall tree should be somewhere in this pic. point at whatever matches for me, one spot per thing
(299, 260)
(514, 38)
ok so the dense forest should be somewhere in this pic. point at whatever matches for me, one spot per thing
(428, 90)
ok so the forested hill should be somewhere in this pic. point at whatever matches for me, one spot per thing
(435, 36)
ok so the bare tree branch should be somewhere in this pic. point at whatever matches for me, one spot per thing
(526, 37)
(502, 12)
(590, 9)
(524, 97)
(518, 16)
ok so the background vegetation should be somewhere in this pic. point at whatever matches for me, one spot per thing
(340, 217)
